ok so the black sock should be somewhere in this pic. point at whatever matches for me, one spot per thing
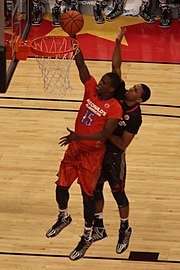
(98, 220)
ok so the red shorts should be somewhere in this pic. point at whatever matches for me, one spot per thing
(81, 163)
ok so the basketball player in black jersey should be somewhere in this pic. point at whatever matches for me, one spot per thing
(114, 164)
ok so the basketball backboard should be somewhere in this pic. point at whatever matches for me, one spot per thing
(14, 22)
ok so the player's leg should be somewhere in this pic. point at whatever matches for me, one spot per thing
(117, 10)
(116, 164)
(56, 12)
(117, 184)
(111, 172)
(98, 12)
(64, 219)
(37, 12)
(99, 231)
(124, 231)
(89, 172)
(86, 238)
(67, 174)
(165, 20)
(144, 11)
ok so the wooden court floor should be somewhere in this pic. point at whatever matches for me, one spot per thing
(32, 122)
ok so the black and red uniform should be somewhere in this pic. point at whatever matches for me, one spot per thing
(114, 163)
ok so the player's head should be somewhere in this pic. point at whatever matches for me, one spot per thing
(138, 93)
(146, 92)
(108, 84)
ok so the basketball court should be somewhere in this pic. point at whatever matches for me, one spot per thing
(33, 120)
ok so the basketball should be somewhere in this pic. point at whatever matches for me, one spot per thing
(72, 22)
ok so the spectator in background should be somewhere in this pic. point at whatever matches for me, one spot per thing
(8, 6)
(165, 19)
(113, 15)
(56, 10)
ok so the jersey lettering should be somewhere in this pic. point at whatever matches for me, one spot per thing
(93, 107)
(122, 123)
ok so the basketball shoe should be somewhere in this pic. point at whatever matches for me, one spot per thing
(116, 12)
(75, 5)
(145, 14)
(8, 21)
(8, 15)
(56, 16)
(60, 224)
(37, 14)
(123, 241)
(99, 233)
(81, 249)
(98, 15)
(165, 20)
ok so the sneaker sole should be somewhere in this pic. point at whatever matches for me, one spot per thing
(99, 22)
(150, 22)
(56, 25)
(164, 27)
(127, 245)
(104, 238)
(36, 24)
(112, 20)
(72, 256)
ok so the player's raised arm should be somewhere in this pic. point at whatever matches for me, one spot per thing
(116, 57)
(82, 68)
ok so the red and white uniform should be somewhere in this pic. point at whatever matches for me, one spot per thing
(83, 159)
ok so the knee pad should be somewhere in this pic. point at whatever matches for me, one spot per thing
(98, 194)
(121, 199)
(89, 209)
(62, 196)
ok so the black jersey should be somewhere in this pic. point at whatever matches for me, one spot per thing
(130, 121)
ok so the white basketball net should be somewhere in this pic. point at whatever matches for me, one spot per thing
(55, 67)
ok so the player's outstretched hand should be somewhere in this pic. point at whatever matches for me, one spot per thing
(68, 138)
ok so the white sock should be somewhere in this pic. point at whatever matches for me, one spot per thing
(63, 212)
(99, 215)
(88, 232)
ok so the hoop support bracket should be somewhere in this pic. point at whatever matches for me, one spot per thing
(21, 48)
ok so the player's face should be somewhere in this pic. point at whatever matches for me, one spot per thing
(104, 85)
(134, 93)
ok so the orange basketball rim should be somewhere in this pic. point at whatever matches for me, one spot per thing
(45, 46)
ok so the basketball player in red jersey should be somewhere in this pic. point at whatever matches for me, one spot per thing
(114, 163)
(98, 117)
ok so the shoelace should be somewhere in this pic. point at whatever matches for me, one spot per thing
(98, 234)
(83, 244)
(123, 237)
(59, 221)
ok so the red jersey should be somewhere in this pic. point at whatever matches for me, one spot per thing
(94, 112)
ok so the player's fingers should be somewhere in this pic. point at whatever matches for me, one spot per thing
(62, 143)
(64, 137)
(68, 129)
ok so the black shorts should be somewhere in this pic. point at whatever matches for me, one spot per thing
(114, 170)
